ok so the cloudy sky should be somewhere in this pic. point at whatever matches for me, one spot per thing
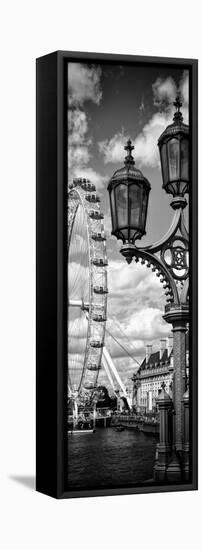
(107, 104)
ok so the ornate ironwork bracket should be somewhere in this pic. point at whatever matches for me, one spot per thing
(168, 259)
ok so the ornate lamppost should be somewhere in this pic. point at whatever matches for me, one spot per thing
(168, 258)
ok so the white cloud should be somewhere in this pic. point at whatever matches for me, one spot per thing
(134, 277)
(113, 149)
(135, 307)
(77, 126)
(78, 143)
(83, 84)
(146, 151)
(164, 92)
(147, 324)
(78, 156)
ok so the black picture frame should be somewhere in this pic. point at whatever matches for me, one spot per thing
(51, 240)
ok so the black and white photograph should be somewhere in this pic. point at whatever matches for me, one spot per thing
(100, 275)
(128, 317)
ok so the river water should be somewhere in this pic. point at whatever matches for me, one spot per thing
(107, 459)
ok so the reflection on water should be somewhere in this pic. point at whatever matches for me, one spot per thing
(109, 459)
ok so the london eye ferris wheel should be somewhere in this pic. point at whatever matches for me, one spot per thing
(87, 288)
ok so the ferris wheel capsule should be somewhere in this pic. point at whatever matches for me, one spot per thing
(92, 197)
(100, 290)
(96, 215)
(93, 367)
(96, 344)
(96, 236)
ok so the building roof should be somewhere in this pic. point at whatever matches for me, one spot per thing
(154, 361)
(155, 358)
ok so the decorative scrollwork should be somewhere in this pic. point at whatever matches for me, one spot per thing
(172, 264)
(175, 255)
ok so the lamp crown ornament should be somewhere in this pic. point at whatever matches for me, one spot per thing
(177, 115)
(129, 158)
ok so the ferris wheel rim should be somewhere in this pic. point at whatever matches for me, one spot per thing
(79, 196)
(72, 225)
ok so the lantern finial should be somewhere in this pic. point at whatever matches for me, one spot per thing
(129, 158)
(178, 115)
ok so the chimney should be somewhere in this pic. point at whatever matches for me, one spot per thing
(148, 352)
(170, 345)
(162, 347)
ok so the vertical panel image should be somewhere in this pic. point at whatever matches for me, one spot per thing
(128, 317)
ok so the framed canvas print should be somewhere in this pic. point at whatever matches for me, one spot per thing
(116, 274)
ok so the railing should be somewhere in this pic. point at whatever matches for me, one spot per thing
(130, 419)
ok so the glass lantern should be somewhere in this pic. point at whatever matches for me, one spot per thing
(174, 153)
(129, 194)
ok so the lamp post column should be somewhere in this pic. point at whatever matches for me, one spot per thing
(178, 318)
(186, 434)
(164, 403)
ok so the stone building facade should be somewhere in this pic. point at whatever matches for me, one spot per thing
(156, 368)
